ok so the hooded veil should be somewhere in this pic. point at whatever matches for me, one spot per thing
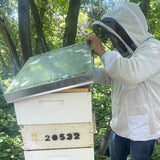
(126, 27)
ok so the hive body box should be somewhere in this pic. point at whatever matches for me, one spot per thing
(70, 107)
(53, 108)
(57, 126)
(70, 154)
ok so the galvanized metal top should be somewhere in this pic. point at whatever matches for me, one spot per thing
(62, 69)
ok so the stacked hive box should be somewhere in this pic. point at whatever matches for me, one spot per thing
(57, 126)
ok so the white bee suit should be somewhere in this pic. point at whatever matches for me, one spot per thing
(135, 81)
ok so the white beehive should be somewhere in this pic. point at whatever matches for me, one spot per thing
(64, 154)
(74, 107)
(57, 136)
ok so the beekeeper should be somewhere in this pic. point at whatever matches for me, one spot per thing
(134, 74)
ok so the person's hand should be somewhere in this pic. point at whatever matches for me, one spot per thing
(97, 45)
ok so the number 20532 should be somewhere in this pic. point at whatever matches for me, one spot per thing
(62, 137)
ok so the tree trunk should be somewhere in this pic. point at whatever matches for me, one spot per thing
(105, 143)
(145, 7)
(24, 28)
(71, 22)
(10, 45)
(43, 9)
(38, 25)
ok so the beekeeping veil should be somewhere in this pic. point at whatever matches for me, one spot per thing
(126, 27)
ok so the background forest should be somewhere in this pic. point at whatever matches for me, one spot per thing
(32, 27)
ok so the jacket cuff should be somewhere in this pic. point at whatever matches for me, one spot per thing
(108, 59)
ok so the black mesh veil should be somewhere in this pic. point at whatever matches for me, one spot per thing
(104, 35)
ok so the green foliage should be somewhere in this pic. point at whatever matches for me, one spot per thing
(153, 18)
(156, 153)
(9, 15)
(96, 8)
(101, 101)
(53, 24)
(11, 147)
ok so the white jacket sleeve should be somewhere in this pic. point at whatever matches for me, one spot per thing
(141, 66)
(101, 77)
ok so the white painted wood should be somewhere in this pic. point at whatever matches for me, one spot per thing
(67, 154)
(55, 108)
(56, 136)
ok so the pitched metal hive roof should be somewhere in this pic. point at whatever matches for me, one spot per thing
(62, 69)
